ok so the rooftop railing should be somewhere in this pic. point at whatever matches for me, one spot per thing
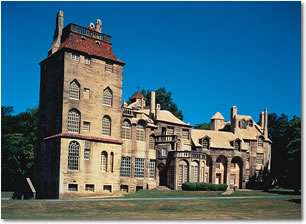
(90, 33)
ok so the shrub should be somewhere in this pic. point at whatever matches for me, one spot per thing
(188, 186)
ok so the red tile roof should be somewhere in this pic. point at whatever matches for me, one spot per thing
(89, 46)
(137, 95)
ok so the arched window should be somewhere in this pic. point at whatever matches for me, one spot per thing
(260, 142)
(104, 161)
(107, 97)
(151, 142)
(126, 130)
(74, 90)
(183, 172)
(243, 124)
(194, 172)
(111, 162)
(106, 126)
(73, 155)
(140, 132)
(74, 121)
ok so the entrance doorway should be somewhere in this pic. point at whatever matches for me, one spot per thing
(162, 174)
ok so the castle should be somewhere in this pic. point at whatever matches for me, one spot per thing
(92, 145)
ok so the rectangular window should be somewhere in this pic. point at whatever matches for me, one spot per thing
(259, 175)
(170, 131)
(86, 92)
(124, 188)
(259, 158)
(232, 178)
(152, 169)
(180, 182)
(86, 126)
(87, 60)
(72, 187)
(90, 187)
(247, 175)
(86, 153)
(206, 178)
(75, 57)
(139, 167)
(185, 134)
(107, 188)
(125, 169)
(108, 67)
(171, 174)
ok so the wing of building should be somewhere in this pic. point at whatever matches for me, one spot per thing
(92, 145)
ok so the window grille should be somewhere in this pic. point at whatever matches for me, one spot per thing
(108, 67)
(72, 187)
(126, 130)
(194, 172)
(87, 60)
(73, 155)
(104, 161)
(205, 143)
(74, 90)
(90, 187)
(233, 178)
(152, 168)
(107, 97)
(185, 134)
(125, 169)
(171, 175)
(139, 167)
(151, 142)
(86, 153)
(75, 57)
(260, 142)
(74, 121)
(86, 126)
(259, 158)
(140, 132)
(106, 126)
(185, 174)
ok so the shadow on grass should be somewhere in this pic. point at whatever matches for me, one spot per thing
(283, 192)
(297, 201)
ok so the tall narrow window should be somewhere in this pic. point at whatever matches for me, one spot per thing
(140, 132)
(108, 67)
(243, 124)
(151, 142)
(185, 134)
(74, 90)
(259, 158)
(205, 143)
(260, 142)
(74, 121)
(125, 169)
(107, 97)
(194, 172)
(237, 145)
(152, 168)
(104, 161)
(139, 167)
(106, 126)
(73, 155)
(126, 130)
(183, 173)
(111, 162)
(87, 60)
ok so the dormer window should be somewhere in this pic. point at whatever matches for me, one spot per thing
(243, 124)
(260, 142)
(237, 144)
(205, 142)
(250, 122)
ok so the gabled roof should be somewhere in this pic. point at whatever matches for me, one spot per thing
(137, 95)
(217, 115)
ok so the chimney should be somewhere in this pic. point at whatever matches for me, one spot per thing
(261, 119)
(233, 119)
(157, 111)
(99, 25)
(266, 124)
(152, 105)
(57, 33)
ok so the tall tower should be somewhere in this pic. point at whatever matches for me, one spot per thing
(79, 114)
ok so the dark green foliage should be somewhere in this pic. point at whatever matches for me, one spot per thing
(189, 186)
(19, 132)
(165, 100)
(203, 126)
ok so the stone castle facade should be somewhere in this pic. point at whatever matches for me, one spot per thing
(93, 145)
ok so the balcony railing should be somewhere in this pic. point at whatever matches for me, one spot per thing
(187, 154)
(165, 138)
(128, 112)
(90, 33)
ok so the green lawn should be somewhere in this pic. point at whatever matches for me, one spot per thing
(265, 208)
(6, 194)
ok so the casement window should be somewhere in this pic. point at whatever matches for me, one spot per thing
(86, 126)
(185, 134)
(74, 90)
(243, 124)
(170, 131)
(125, 168)
(232, 181)
(194, 172)
(75, 56)
(104, 161)
(86, 153)
(205, 143)
(90, 187)
(259, 158)
(151, 142)
(74, 121)
(126, 130)
(72, 187)
(152, 168)
(106, 126)
(183, 173)
(107, 188)
(260, 142)
(73, 155)
(87, 60)
(107, 97)
(140, 132)
(139, 167)
(109, 67)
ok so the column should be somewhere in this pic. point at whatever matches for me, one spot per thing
(213, 169)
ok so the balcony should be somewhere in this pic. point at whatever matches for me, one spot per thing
(187, 154)
(165, 139)
(128, 112)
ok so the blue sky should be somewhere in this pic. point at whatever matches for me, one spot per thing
(210, 55)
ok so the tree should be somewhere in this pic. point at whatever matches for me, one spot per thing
(203, 126)
(19, 133)
(165, 100)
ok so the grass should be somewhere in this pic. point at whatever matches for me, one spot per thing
(6, 194)
(263, 208)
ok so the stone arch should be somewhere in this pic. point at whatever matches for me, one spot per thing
(221, 169)
(237, 171)
(194, 174)
(183, 174)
